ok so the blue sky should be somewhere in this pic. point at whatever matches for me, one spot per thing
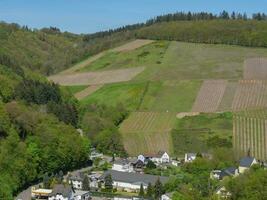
(87, 16)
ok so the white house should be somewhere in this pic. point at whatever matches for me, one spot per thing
(189, 157)
(61, 192)
(81, 195)
(246, 163)
(167, 196)
(161, 157)
(94, 178)
(76, 179)
(132, 181)
(142, 158)
(122, 165)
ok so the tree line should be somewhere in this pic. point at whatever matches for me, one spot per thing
(178, 16)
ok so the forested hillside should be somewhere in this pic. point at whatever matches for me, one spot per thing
(218, 31)
(38, 119)
(48, 50)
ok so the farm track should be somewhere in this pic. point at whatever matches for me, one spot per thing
(132, 45)
(255, 69)
(209, 96)
(82, 64)
(97, 78)
(88, 91)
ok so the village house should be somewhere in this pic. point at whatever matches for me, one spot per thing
(81, 195)
(66, 192)
(132, 181)
(94, 179)
(138, 166)
(245, 163)
(122, 165)
(190, 157)
(167, 196)
(76, 180)
(160, 158)
(220, 174)
(61, 192)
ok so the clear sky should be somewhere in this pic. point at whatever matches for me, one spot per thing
(87, 16)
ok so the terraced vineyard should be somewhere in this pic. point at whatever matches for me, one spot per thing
(209, 96)
(250, 94)
(255, 69)
(250, 134)
(228, 97)
(147, 132)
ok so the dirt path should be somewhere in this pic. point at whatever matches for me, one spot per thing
(83, 64)
(86, 92)
(96, 78)
(132, 45)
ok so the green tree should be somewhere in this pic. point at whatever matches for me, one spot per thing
(86, 184)
(151, 165)
(158, 189)
(149, 191)
(108, 182)
(141, 191)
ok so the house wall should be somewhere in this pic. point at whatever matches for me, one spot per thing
(165, 158)
(122, 168)
(76, 184)
(83, 197)
(125, 185)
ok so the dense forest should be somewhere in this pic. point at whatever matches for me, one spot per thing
(48, 50)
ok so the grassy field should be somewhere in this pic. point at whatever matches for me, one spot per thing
(129, 94)
(187, 61)
(75, 88)
(145, 56)
(147, 132)
(202, 133)
(173, 96)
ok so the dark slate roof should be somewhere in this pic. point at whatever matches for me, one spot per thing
(134, 178)
(246, 161)
(65, 191)
(230, 171)
(79, 176)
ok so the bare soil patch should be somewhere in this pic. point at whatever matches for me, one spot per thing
(96, 78)
(82, 64)
(132, 45)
